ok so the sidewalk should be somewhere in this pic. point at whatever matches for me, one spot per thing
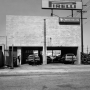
(44, 69)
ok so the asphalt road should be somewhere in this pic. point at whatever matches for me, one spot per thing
(60, 81)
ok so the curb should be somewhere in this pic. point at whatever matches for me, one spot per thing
(39, 72)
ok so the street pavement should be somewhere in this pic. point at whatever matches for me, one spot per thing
(44, 69)
(46, 77)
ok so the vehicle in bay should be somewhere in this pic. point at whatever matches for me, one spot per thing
(33, 59)
(49, 59)
(69, 58)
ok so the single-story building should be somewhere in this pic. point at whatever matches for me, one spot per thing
(26, 35)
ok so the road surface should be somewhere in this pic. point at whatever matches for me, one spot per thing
(60, 81)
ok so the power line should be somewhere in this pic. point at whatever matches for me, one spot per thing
(76, 14)
(86, 48)
(87, 21)
(87, 2)
(88, 16)
(87, 8)
(73, 14)
(83, 9)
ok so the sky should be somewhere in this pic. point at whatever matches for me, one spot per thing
(33, 8)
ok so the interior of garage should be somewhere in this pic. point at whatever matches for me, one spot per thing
(1, 57)
(66, 50)
(59, 52)
(51, 51)
(0, 47)
(26, 51)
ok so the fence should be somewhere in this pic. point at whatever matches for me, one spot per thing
(85, 58)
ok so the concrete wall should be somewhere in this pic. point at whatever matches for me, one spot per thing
(29, 31)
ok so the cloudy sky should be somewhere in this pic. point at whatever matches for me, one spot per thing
(33, 8)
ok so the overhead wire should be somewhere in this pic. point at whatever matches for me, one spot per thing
(87, 3)
(87, 9)
(76, 13)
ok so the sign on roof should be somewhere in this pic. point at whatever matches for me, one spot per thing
(69, 21)
(63, 5)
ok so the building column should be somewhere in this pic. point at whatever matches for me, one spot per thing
(44, 45)
(78, 56)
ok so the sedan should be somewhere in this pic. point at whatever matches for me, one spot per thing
(69, 58)
(33, 59)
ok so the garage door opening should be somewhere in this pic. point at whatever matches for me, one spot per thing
(55, 54)
(29, 51)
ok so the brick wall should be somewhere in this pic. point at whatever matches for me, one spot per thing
(29, 31)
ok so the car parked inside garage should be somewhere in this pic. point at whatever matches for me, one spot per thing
(69, 58)
(33, 59)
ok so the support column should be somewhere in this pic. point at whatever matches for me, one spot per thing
(78, 56)
(12, 66)
(44, 46)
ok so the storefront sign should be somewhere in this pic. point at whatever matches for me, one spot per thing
(59, 4)
(69, 21)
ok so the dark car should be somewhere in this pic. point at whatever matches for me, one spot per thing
(69, 58)
(57, 59)
(49, 60)
(33, 59)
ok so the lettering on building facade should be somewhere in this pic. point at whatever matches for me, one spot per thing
(62, 5)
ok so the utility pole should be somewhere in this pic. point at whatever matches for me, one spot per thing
(82, 29)
(81, 32)
(81, 11)
(44, 46)
(12, 59)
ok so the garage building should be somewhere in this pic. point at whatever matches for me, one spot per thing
(26, 34)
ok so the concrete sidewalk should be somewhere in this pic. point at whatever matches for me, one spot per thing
(44, 69)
